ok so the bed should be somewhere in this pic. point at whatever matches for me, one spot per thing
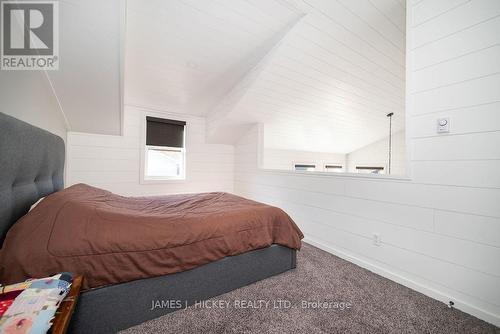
(32, 163)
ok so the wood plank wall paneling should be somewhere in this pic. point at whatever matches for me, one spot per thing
(440, 230)
(113, 162)
(341, 55)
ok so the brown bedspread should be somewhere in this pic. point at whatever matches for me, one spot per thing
(112, 239)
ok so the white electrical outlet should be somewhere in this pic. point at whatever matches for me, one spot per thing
(443, 125)
(377, 239)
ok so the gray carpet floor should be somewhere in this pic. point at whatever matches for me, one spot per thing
(378, 305)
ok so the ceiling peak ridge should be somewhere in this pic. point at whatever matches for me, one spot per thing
(219, 115)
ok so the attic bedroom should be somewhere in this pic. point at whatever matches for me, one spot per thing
(249, 166)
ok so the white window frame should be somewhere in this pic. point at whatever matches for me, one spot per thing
(182, 174)
(143, 179)
(341, 169)
(383, 166)
(305, 163)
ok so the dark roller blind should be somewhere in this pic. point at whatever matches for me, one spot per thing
(164, 132)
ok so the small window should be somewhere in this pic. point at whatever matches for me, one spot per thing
(165, 151)
(370, 169)
(305, 167)
(333, 168)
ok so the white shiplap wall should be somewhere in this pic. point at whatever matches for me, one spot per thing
(329, 83)
(113, 162)
(440, 230)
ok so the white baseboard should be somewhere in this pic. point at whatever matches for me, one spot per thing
(426, 290)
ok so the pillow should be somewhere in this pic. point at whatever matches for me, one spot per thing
(36, 203)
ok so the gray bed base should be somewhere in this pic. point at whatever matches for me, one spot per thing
(109, 309)
(32, 166)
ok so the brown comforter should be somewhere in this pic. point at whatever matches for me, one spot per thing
(112, 239)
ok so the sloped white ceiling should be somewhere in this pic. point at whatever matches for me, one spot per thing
(88, 83)
(320, 74)
(185, 55)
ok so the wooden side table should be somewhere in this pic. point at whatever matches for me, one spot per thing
(67, 307)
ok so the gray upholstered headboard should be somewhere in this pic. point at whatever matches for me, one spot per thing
(31, 167)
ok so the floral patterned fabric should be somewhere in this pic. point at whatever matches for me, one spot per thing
(30, 306)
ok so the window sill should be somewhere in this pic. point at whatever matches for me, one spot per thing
(161, 181)
(334, 174)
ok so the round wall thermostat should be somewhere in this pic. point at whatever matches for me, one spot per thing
(443, 125)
